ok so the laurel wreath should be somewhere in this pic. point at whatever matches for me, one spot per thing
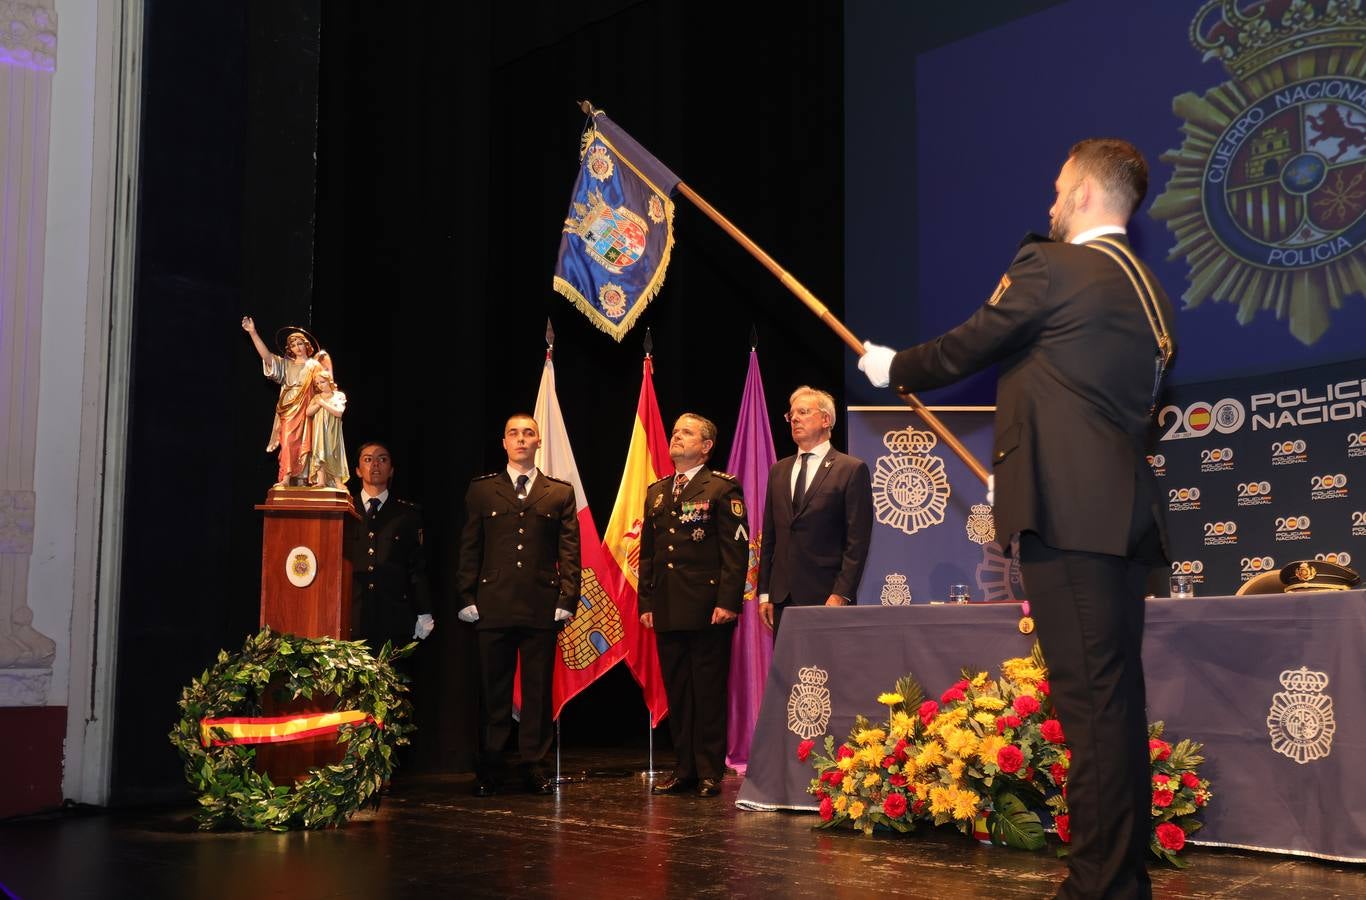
(231, 792)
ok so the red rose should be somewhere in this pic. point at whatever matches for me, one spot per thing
(952, 694)
(888, 762)
(1201, 799)
(894, 806)
(1057, 773)
(1162, 799)
(1171, 836)
(1009, 758)
(1189, 780)
(962, 685)
(1064, 825)
(899, 751)
(832, 776)
(1161, 779)
(1051, 730)
(1044, 688)
(1029, 774)
(1026, 705)
(827, 810)
(928, 710)
(1159, 749)
(804, 750)
(845, 752)
(897, 780)
(1012, 721)
(1001, 725)
(918, 807)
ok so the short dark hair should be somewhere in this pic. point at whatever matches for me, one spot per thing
(380, 444)
(521, 415)
(1117, 166)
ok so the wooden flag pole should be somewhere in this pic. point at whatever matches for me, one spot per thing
(823, 313)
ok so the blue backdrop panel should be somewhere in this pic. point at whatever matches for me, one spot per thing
(923, 499)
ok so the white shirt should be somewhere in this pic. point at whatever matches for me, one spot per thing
(365, 498)
(813, 464)
(1091, 234)
(691, 473)
(530, 477)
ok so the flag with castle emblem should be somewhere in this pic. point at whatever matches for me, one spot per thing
(647, 461)
(619, 232)
(751, 456)
(597, 637)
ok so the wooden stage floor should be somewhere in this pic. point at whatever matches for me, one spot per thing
(604, 836)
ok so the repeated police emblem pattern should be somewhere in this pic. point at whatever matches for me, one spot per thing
(981, 527)
(1267, 199)
(808, 705)
(301, 566)
(1301, 720)
(910, 487)
(595, 628)
(895, 591)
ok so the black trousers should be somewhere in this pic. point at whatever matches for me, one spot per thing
(499, 649)
(696, 668)
(1089, 611)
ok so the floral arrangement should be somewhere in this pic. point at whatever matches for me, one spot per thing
(985, 758)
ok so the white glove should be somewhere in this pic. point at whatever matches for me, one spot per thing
(425, 626)
(468, 614)
(991, 490)
(563, 615)
(876, 363)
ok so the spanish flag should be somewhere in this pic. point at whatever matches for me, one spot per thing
(647, 461)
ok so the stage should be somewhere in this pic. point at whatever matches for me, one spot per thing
(605, 836)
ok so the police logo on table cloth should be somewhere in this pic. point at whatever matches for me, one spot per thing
(1267, 199)
(895, 591)
(910, 488)
(1301, 721)
(808, 705)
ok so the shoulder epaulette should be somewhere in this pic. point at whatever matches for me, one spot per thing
(408, 503)
(484, 477)
(661, 481)
(558, 480)
(726, 475)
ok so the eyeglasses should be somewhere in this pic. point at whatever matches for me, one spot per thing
(798, 414)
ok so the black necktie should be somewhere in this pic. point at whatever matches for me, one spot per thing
(374, 507)
(799, 492)
(521, 487)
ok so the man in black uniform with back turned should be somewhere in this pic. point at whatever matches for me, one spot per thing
(1082, 334)
(390, 596)
(694, 554)
(519, 582)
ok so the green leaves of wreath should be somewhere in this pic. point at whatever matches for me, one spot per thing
(232, 792)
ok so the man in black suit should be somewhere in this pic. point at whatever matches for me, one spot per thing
(390, 596)
(519, 581)
(818, 516)
(1081, 332)
(694, 553)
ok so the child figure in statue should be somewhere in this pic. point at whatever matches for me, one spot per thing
(326, 458)
(290, 433)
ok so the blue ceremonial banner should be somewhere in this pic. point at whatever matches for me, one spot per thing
(619, 232)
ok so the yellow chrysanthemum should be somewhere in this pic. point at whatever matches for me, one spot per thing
(1029, 690)
(871, 779)
(870, 736)
(941, 801)
(890, 699)
(956, 769)
(979, 679)
(871, 756)
(932, 754)
(902, 725)
(1021, 669)
(845, 763)
(848, 784)
(841, 803)
(960, 742)
(991, 745)
(985, 718)
(965, 805)
(996, 704)
(922, 790)
(908, 767)
(856, 809)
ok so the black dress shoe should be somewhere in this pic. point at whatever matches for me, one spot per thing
(484, 788)
(536, 784)
(709, 787)
(672, 784)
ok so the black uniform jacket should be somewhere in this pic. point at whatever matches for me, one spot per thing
(389, 586)
(1074, 399)
(519, 560)
(694, 554)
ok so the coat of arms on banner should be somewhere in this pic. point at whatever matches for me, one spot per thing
(808, 706)
(1301, 720)
(895, 591)
(910, 488)
(1267, 199)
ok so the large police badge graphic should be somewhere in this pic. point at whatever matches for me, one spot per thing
(895, 591)
(1301, 720)
(998, 575)
(910, 489)
(1267, 199)
(808, 706)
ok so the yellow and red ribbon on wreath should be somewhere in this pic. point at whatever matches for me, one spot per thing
(278, 729)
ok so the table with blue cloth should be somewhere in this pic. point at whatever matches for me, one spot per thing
(1272, 685)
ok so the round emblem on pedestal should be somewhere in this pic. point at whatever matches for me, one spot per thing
(301, 566)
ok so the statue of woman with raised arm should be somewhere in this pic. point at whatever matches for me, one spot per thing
(295, 373)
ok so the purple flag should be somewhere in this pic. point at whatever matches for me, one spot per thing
(751, 456)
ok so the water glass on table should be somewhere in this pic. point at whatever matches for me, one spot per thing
(1182, 587)
(958, 593)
